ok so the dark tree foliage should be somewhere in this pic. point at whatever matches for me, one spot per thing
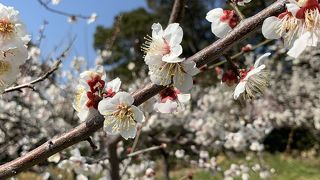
(136, 24)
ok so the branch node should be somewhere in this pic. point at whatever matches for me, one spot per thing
(50, 144)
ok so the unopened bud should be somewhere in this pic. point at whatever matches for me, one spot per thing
(247, 48)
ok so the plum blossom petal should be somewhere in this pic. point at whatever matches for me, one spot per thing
(114, 85)
(138, 114)
(270, 27)
(299, 45)
(239, 90)
(183, 82)
(167, 107)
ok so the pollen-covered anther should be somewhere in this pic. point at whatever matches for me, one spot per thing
(156, 46)
(312, 19)
(6, 28)
(123, 112)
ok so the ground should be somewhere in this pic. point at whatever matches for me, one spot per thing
(286, 168)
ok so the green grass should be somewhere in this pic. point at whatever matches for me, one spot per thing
(287, 168)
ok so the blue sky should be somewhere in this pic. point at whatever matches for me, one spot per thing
(59, 31)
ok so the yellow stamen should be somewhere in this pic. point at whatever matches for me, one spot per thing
(124, 117)
(6, 28)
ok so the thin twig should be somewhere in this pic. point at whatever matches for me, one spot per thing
(162, 146)
(234, 57)
(45, 5)
(237, 10)
(177, 11)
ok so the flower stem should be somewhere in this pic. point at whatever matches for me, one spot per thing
(237, 10)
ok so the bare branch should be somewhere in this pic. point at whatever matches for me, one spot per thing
(95, 122)
(46, 6)
(162, 146)
(177, 11)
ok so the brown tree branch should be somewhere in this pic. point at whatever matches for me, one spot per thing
(177, 11)
(95, 122)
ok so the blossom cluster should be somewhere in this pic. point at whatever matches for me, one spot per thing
(94, 94)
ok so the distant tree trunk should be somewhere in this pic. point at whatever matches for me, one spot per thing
(166, 166)
(289, 142)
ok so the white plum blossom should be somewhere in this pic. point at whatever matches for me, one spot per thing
(34, 53)
(12, 31)
(171, 100)
(150, 173)
(308, 12)
(55, 2)
(223, 21)
(256, 146)
(164, 44)
(92, 18)
(78, 63)
(236, 141)
(253, 81)
(162, 51)
(121, 117)
(179, 153)
(299, 26)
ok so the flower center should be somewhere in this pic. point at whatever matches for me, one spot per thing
(6, 28)
(124, 118)
(123, 112)
(289, 26)
(155, 46)
(312, 19)
(230, 17)
(167, 71)
(306, 7)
